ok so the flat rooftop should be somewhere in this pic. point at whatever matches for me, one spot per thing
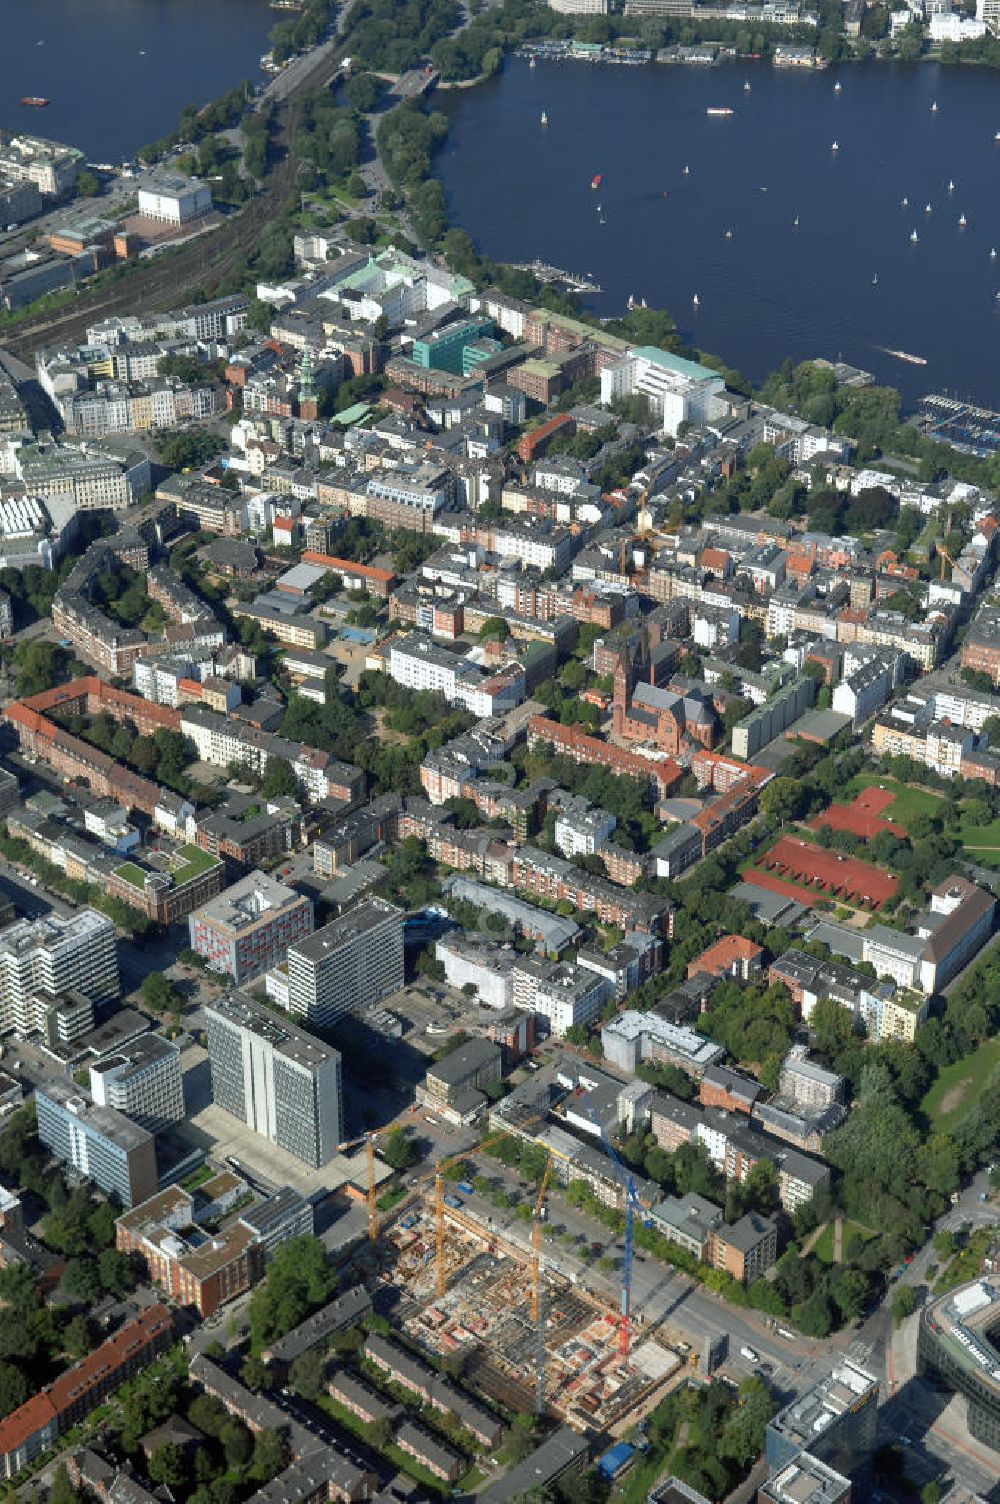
(967, 1320)
(841, 1390)
(252, 899)
(357, 921)
(106, 1121)
(295, 1044)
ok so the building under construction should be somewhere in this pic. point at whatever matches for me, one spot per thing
(569, 1362)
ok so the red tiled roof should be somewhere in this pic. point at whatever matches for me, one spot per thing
(367, 571)
(804, 863)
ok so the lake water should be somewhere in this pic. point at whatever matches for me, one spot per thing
(118, 72)
(773, 289)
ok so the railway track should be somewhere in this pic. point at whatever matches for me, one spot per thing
(203, 263)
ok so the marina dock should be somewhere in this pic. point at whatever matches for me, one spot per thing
(973, 430)
(553, 274)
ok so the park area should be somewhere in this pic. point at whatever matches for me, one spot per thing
(906, 801)
(982, 842)
(863, 817)
(957, 1087)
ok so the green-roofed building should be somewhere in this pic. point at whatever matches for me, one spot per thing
(166, 887)
(395, 285)
(444, 349)
(679, 390)
(351, 416)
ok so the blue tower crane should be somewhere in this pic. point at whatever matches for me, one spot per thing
(632, 1205)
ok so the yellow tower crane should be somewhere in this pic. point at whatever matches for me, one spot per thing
(536, 1243)
(368, 1139)
(943, 555)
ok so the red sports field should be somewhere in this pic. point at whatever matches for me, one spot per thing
(837, 876)
(862, 816)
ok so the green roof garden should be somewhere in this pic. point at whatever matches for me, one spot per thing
(692, 369)
(191, 862)
(130, 873)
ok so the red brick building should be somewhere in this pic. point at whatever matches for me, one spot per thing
(35, 1425)
(203, 1276)
(732, 956)
(534, 444)
(581, 747)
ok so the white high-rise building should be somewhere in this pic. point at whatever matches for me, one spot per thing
(347, 965)
(144, 1081)
(283, 1083)
(679, 390)
(53, 955)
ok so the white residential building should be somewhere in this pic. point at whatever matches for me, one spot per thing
(52, 956)
(680, 391)
(143, 1081)
(571, 996)
(488, 968)
(582, 828)
(173, 199)
(419, 663)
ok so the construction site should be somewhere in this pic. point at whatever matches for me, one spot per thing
(531, 1340)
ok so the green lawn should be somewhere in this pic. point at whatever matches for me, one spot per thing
(130, 873)
(823, 1249)
(191, 863)
(957, 1087)
(967, 1263)
(907, 803)
(983, 840)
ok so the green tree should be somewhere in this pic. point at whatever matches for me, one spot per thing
(158, 994)
(87, 184)
(61, 1490)
(306, 1374)
(904, 1303)
(849, 1292)
(299, 1280)
(82, 1280)
(77, 1337)
(168, 1465)
(14, 1388)
(379, 1433)
(37, 666)
(782, 799)
(208, 1414)
(254, 1374)
(270, 1454)
(237, 1443)
(279, 779)
(116, 1273)
(184, 449)
(398, 1151)
(18, 1289)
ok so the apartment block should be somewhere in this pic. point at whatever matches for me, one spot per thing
(807, 1083)
(454, 1085)
(249, 927)
(34, 1427)
(283, 1083)
(337, 1315)
(99, 1142)
(350, 964)
(144, 1081)
(202, 1268)
(53, 956)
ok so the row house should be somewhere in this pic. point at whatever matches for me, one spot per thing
(545, 876)
(34, 1427)
(570, 741)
